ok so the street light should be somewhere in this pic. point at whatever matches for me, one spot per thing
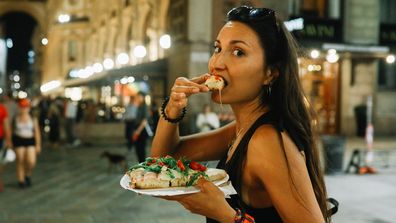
(98, 67)
(108, 63)
(63, 18)
(165, 41)
(315, 54)
(122, 58)
(390, 58)
(44, 41)
(50, 86)
(9, 43)
(139, 51)
(332, 56)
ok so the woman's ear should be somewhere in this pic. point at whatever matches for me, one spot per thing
(271, 75)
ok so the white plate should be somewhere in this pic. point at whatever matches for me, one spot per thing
(171, 191)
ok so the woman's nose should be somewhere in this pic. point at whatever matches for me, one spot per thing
(217, 62)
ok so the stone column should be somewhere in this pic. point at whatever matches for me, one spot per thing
(334, 9)
(361, 21)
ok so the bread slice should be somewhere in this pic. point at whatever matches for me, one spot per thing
(215, 82)
(215, 174)
(150, 180)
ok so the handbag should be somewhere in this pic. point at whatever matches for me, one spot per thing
(7, 155)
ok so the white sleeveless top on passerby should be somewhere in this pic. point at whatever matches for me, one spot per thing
(24, 129)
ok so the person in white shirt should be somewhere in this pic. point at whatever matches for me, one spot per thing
(207, 120)
(26, 140)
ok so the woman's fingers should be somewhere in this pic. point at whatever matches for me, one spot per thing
(181, 90)
(200, 79)
(194, 83)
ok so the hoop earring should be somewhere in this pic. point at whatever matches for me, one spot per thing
(268, 90)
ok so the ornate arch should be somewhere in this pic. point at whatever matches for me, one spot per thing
(35, 10)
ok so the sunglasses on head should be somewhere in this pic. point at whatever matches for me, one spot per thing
(250, 13)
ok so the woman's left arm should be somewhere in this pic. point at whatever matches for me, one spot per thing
(284, 176)
(37, 135)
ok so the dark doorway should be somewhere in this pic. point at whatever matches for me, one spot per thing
(18, 30)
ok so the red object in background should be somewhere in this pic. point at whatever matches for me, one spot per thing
(24, 103)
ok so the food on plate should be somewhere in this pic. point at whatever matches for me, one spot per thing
(215, 82)
(165, 172)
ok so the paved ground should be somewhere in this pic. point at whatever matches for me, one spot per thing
(73, 185)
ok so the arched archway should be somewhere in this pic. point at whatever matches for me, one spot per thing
(18, 29)
(36, 10)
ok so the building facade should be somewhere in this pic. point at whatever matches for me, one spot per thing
(108, 50)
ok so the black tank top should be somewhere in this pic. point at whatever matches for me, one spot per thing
(234, 169)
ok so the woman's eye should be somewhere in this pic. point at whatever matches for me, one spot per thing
(238, 53)
(216, 49)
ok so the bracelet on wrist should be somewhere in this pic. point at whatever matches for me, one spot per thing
(165, 116)
(243, 217)
(238, 216)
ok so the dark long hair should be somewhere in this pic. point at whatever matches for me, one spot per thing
(286, 98)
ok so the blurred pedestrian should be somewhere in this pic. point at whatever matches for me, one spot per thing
(27, 142)
(11, 105)
(5, 137)
(70, 121)
(129, 119)
(154, 116)
(207, 120)
(54, 116)
(140, 134)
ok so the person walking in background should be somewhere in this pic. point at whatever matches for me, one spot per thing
(129, 119)
(53, 117)
(154, 116)
(26, 140)
(11, 105)
(5, 137)
(140, 133)
(70, 121)
(207, 120)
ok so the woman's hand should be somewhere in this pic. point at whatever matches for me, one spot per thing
(181, 90)
(210, 202)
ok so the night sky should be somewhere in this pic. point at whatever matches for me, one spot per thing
(19, 27)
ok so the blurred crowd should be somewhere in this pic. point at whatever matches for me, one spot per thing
(25, 123)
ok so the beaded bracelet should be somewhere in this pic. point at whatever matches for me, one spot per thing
(171, 120)
(243, 217)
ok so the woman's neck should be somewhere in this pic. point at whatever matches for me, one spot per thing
(245, 115)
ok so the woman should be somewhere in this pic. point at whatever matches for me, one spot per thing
(27, 142)
(269, 151)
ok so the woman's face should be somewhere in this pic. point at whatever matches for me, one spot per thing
(239, 58)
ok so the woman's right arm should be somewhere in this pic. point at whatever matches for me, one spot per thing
(197, 147)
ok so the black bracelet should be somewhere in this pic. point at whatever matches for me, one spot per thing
(171, 120)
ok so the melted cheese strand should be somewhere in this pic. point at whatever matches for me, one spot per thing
(221, 103)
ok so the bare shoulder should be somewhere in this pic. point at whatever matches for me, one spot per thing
(270, 149)
(265, 145)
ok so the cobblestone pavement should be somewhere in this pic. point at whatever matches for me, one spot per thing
(74, 185)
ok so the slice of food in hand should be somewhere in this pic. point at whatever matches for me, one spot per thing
(215, 82)
(167, 172)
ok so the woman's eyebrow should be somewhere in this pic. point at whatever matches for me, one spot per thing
(233, 42)
(239, 41)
